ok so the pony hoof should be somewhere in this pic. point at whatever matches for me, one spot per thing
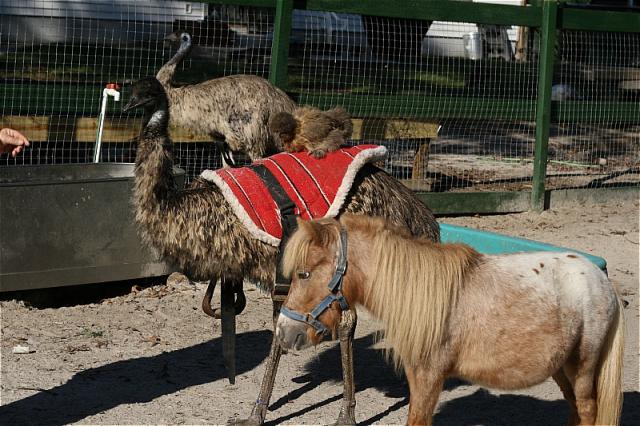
(345, 421)
(254, 420)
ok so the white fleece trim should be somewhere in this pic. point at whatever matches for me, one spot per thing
(363, 157)
(237, 208)
(360, 159)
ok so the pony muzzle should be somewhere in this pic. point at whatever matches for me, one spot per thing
(292, 334)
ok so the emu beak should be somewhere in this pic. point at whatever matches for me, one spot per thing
(134, 102)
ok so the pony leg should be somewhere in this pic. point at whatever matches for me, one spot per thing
(567, 391)
(424, 389)
(584, 390)
(346, 330)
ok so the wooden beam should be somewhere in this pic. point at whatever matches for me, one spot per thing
(35, 128)
(377, 128)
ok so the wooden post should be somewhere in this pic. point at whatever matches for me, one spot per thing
(543, 109)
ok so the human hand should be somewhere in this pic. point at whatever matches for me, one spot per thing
(12, 141)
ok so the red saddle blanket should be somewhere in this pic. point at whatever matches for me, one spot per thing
(318, 187)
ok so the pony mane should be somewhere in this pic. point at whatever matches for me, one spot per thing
(414, 286)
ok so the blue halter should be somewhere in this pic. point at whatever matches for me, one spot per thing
(335, 286)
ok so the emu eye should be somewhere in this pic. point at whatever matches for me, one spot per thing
(304, 275)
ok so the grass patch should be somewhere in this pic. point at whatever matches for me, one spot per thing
(444, 80)
(87, 332)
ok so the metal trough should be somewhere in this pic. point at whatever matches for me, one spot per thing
(64, 225)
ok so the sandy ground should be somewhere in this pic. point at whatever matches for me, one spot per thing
(152, 357)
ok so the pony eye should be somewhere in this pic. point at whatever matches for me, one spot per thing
(304, 275)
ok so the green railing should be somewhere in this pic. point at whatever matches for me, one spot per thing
(547, 15)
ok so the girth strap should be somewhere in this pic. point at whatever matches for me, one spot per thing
(288, 221)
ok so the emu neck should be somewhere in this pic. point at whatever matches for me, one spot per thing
(154, 163)
(156, 124)
(166, 73)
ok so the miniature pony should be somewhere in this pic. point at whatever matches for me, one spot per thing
(505, 321)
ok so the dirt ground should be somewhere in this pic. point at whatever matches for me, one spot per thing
(150, 356)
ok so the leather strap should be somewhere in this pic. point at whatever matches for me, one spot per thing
(288, 221)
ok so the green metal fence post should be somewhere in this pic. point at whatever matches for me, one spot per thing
(278, 73)
(543, 108)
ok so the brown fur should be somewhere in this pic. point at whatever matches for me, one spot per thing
(235, 107)
(310, 129)
(199, 231)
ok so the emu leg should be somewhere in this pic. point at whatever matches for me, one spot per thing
(346, 331)
(239, 304)
(241, 300)
(208, 295)
(228, 328)
(259, 411)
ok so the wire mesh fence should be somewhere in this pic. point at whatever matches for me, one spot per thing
(600, 71)
(56, 57)
(462, 78)
(401, 79)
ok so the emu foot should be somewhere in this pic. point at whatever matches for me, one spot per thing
(239, 304)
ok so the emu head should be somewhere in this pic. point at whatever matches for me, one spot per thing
(146, 93)
(182, 37)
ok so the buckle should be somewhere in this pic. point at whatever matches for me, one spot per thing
(280, 291)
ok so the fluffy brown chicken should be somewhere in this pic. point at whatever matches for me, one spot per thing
(310, 129)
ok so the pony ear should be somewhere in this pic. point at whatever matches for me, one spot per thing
(310, 227)
(314, 231)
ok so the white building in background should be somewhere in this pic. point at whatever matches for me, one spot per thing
(59, 21)
(446, 38)
(132, 21)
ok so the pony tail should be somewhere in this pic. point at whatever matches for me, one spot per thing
(609, 377)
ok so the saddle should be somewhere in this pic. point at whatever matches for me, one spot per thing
(268, 195)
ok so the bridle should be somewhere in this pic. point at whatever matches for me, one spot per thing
(335, 286)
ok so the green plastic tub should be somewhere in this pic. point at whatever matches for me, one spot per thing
(493, 243)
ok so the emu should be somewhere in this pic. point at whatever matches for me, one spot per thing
(236, 108)
(198, 229)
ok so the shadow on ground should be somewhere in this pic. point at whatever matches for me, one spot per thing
(481, 407)
(133, 381)
(370, 371)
